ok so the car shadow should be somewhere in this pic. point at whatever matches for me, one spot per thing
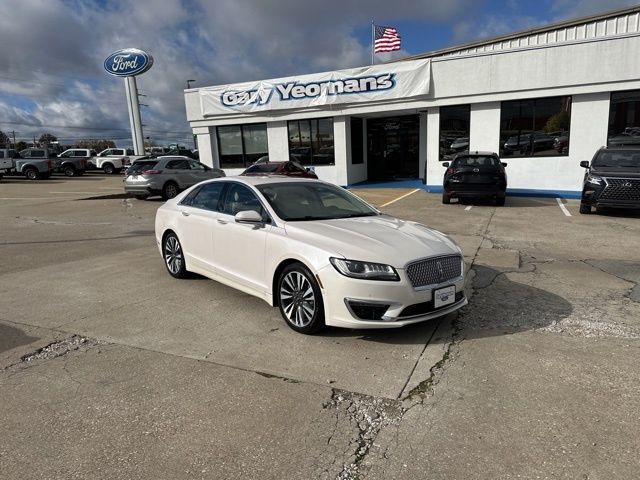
(497, 306)
(511, 202)
(12, 337)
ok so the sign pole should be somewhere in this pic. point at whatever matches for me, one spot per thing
(137, 138)
(373, 42)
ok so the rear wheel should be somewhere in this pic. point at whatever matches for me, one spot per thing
(108, 169)
(300, 299)
(31, 173)
(585, 208)
(169, 190)
(173, 256)
(445, 199)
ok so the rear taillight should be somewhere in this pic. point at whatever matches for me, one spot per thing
(151, 172)
(451, 171)
(50, 163)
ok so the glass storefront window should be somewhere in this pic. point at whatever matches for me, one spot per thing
(311, 141)
(535, 127)
(241, 145)
(454, 130)
(624, 119)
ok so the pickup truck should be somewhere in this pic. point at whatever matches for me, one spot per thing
(109, 165)
(127, 153)
(72, 162)
(33, 163)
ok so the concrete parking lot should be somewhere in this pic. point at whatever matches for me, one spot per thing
(109, 368)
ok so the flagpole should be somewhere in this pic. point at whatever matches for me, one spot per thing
(373, 41)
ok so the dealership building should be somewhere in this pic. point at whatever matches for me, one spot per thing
(544, 99)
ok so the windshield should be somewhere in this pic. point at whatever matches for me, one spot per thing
(619, 159)
(262, 168)
(297, 201)
(480, 161)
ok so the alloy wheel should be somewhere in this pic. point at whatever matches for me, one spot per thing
(297, 299)
(173, 254)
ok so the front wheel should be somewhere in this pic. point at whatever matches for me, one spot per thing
(174, 256)
(585, 208)
(445, 199)
(300, 299)
(500, 201)
(69, 171)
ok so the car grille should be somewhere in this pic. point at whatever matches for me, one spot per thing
(433, 271)
(621, 189)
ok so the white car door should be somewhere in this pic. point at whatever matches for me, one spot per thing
(240, 247)
(198, 216)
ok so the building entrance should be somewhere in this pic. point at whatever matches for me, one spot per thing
(392, 147)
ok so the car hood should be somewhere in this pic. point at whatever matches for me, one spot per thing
(628, 172)
(381, 239)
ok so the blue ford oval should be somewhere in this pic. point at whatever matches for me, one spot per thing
(128, 62)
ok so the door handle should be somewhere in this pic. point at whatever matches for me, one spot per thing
(186, 214)
(222, 222)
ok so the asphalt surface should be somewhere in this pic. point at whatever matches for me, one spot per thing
(109, 368)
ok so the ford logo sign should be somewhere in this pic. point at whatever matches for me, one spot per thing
(128, 62)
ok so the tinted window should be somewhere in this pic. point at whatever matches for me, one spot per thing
(624, 118)
(1, 154)
(138, 167)
(476, 162)
(357, 141)
(178, 165)
(197, 166)
(311, 141)
(207, 197)
(536, 127)
(130, 151)
(454, 130)
(263, 168)
(239, 198)
(37, 153)
(241, 145)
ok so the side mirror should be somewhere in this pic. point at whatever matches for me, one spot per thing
(445, 164)
(504, 164)
(248, 216)
(584, 164)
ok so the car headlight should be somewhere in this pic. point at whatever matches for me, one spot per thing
(364, 270)
(594, 179)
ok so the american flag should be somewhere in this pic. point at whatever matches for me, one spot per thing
(386, 39)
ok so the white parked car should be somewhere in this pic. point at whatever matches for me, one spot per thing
(318, 252)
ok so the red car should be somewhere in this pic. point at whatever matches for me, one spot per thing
(289, 168)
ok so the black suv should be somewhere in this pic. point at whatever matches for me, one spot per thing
(612, 179)
(475, 175)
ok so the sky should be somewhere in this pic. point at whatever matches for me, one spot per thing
(51, 61)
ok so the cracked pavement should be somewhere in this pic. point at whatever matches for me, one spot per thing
(110, 369)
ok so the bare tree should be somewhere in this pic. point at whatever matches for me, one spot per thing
(47, 138)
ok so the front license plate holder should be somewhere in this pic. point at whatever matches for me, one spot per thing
(444, 296)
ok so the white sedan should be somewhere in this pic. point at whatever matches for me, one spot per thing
(318, 252)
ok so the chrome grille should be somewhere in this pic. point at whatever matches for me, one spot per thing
(432, 271)
(621, 189)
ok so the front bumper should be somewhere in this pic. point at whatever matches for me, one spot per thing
(404, 304)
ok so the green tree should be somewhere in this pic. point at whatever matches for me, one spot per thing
(4, 139)
(47, 138)
(21, 145)
(559, 121)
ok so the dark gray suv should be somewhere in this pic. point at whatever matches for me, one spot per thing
(167, 177)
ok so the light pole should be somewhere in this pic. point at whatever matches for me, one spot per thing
(189, 84)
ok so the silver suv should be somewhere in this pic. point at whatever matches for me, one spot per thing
(167, 177)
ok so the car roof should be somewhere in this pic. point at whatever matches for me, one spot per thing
(267, 179)
(476, 153)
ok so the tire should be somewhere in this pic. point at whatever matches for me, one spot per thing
(585, 209)
(300, 299)
(108, 168)
(31, 174)
(69, 171)
(500, 201)
(169, 190)
(173, 256)
(141, 197)
(445, 199)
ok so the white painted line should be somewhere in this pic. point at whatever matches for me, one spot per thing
(468, 208)
(401, 197)
(563, 208)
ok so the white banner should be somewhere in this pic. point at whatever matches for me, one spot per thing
(390, 81)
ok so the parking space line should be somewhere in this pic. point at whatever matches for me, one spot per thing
(468, 208)
(562, 207)
(401, 197)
